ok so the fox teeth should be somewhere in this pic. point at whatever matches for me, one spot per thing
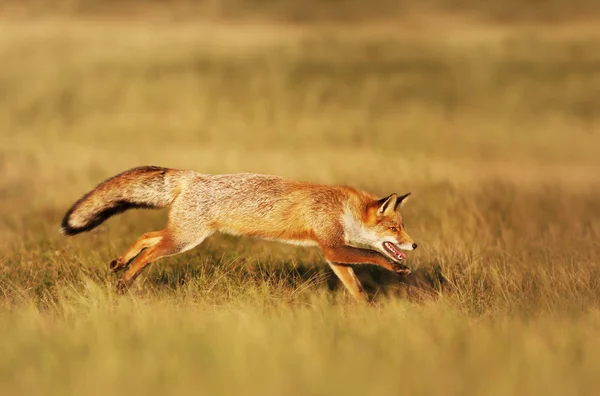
(391, 248)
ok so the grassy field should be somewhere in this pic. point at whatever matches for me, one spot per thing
(493, 127)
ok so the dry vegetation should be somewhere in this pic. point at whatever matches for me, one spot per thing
(494, 128)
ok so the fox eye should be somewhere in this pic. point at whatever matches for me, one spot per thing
(394, 229)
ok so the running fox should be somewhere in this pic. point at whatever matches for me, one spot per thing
(349, 225)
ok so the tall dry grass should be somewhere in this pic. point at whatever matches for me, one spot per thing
(493, 128)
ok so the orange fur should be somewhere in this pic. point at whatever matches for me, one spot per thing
(349, 225)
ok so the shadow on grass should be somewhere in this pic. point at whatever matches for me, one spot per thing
(426, 282)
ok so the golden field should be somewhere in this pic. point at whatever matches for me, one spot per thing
(492, 122)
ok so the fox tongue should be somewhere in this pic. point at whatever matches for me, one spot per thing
(395, 251)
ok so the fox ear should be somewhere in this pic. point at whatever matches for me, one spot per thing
(401, 200)
(387, 205)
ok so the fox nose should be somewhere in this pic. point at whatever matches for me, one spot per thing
(415, 246)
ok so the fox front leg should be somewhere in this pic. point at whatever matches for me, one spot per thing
(346, 275)
(351, 255)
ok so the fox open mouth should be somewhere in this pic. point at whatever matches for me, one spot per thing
(394, 251)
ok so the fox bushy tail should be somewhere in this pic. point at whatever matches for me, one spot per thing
(142, 187)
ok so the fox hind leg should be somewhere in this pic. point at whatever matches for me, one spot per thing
(149, 255)
(168, 245)
(349, 279)
(145, 241)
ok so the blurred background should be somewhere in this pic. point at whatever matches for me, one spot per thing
(384, 94)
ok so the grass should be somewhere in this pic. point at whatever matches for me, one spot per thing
(315, 11)
(493, 128)
(165, 345)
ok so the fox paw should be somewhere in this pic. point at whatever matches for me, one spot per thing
(116, 265)
(401, 269)
(122, 287)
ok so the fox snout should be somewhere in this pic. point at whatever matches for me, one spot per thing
(408, 246)
(405, 242)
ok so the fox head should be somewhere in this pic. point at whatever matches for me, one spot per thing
(381, 228)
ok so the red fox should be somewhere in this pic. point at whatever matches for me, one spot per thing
(349, 225)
